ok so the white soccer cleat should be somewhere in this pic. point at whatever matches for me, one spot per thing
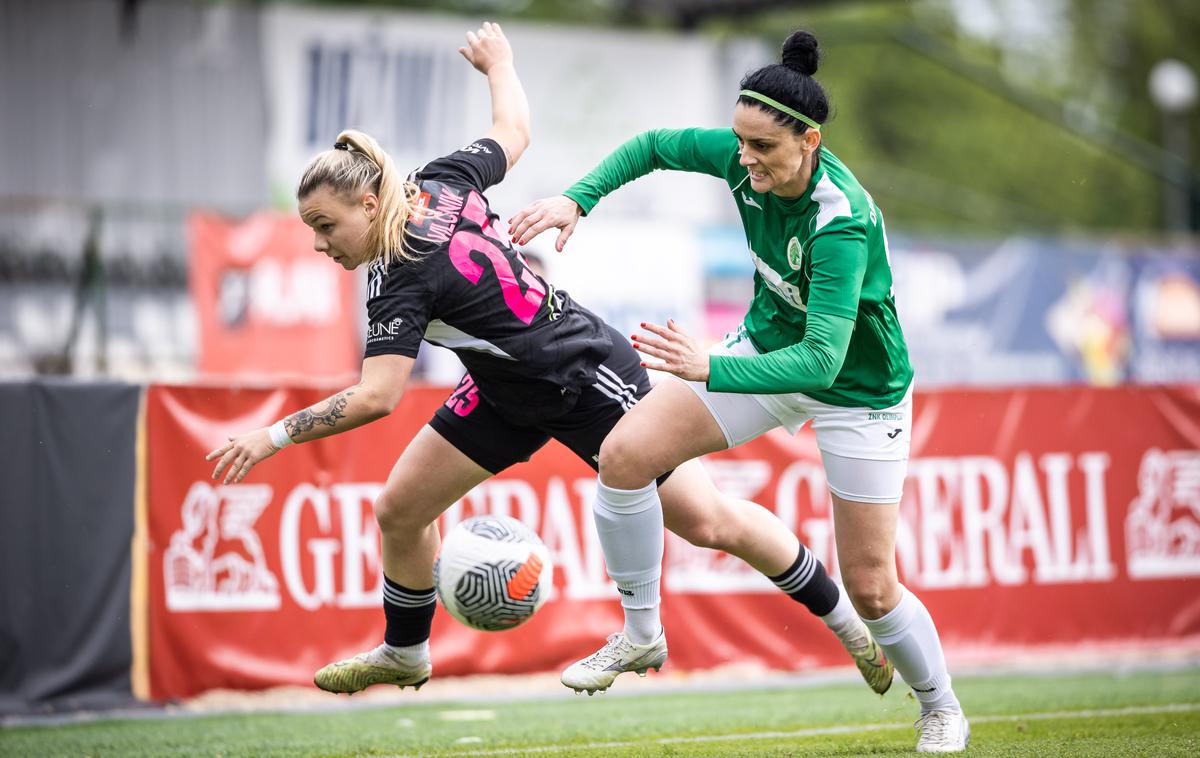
(383, 665)
(598, 670)
(943, 732)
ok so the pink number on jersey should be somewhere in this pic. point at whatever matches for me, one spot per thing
(523, 305)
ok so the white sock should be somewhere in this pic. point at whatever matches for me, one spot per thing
(844, 622)
(420, 651)
(630, 526)
(642, 625)
(910, 640)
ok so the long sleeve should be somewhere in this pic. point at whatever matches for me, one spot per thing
(810, 365)
(705, 151)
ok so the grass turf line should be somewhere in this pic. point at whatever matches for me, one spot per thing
(683, 724)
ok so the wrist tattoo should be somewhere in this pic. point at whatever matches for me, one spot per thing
(327, 415)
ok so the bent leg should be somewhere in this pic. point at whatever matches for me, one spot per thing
(697, 511)
(666, 428)
(694, 509)
(429, 475)
(426, 480)
(866, 534)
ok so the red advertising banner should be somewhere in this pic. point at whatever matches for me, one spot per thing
(267, 304)
(1031, 517)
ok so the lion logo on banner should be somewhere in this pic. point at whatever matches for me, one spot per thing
(1162, 528)
(215, 561)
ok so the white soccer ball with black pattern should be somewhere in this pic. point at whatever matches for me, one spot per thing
(492, 572)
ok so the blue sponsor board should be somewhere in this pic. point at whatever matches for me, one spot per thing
(1027, 310)
(1165, 317)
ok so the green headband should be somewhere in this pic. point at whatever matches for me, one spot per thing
(781, 107)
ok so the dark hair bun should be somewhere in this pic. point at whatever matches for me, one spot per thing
(801, 53)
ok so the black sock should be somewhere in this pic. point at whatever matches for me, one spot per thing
(409, 614)
(806, 582)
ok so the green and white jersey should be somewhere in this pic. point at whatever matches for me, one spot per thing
(824, 252)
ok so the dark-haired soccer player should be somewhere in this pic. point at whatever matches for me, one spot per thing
(820, 343)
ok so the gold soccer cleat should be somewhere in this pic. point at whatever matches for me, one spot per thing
(379, 666)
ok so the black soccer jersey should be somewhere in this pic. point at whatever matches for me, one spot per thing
(529, 347)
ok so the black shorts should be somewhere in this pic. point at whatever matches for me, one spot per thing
(474, 427)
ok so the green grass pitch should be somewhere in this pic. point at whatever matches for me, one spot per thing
(1105, 715)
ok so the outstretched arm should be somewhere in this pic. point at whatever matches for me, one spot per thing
(489, 52)
(375, 396)
(705, 151)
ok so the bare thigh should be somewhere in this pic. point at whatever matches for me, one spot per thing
(696, 510)
(426, 480)
(667, 427)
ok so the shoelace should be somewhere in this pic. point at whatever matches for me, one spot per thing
(935, 726)
(381, 656)
(613, 647)
(373, 657)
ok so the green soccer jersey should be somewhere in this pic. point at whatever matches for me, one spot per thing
(821, 265)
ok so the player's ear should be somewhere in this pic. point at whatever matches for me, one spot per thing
(370, 205)
(811, 139)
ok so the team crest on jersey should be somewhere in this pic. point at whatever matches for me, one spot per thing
(795, 254)
(420, 210)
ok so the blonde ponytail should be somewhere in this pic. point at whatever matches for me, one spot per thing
(357, 165)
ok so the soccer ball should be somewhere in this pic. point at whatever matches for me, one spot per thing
(492, 572)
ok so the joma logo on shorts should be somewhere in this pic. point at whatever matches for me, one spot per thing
(884, 416)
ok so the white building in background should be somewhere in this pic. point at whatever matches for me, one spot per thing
(173, 106)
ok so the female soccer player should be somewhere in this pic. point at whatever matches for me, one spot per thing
(820, 342)
(539, 364)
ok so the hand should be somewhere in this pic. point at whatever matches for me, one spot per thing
(679, 353)
(240, 454)
(486, 48)
(559, 212)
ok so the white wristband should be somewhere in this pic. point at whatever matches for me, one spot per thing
(279, 435)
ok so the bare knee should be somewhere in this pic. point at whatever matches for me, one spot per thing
(706, 533)
(696, 511)
(705, 522)
(873, 590)
(623, 463)
(396, 516)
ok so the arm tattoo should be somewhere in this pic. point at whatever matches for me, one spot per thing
(328, 415)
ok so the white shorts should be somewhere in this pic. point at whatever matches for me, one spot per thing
(865, 450)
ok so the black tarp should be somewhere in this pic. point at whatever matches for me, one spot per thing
(66, 520)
